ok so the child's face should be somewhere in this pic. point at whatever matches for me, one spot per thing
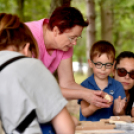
(128, 65)
(102, 71)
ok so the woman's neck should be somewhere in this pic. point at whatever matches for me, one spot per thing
(127, 97)
(48, 41)
(127, 94)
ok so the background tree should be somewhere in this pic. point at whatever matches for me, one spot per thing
(20, 8)
(57, 3)
(106, 8)
(35, 10)
(123, 25)
(80, 49)
(28, 10)
(90, 28)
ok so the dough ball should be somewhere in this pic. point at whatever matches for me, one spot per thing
(107, 97)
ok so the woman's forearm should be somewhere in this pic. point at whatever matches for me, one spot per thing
(71, 94)
(93, 97)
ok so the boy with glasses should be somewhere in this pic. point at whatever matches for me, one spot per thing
(101, 60)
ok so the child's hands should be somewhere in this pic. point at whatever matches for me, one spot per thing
(119, 105)
(94, 107)
(88, 109)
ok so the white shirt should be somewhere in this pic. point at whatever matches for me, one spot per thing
(25, 85)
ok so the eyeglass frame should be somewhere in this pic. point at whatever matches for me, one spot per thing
(74, 38)
(126, 72)
(103, 65)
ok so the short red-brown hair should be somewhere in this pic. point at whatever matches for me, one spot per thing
(102, 47)
(66, 18)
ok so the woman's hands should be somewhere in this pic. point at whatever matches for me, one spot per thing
(88, 109)
(97, 98)
(119, 105)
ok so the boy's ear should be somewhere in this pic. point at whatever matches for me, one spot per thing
(90, 63)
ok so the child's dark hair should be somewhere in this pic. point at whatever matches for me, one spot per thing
(101, 47)
(122, 55)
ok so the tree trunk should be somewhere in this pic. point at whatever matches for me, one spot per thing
(90, 28)
(57, 3)
(20, 9)
(118, 41)
(106, 20)
(80, 71)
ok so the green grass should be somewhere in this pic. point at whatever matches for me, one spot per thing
(79, 78)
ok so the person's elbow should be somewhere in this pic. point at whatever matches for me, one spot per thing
(84, 113)
(63, 123)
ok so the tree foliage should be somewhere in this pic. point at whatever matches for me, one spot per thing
(123, 23)
(32, 10)
(57, 3)
(123, 20)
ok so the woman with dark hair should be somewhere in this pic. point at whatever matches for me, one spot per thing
(124, 73)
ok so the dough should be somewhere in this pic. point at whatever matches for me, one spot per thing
(107, 97)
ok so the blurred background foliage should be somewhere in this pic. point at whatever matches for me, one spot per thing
(120, 23)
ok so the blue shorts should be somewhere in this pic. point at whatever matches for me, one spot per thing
(47, 128)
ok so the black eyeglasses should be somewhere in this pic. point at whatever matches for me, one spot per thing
(123, 72)
(99, 65)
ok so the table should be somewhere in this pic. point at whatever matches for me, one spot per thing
(127, 128)
(101, 131)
